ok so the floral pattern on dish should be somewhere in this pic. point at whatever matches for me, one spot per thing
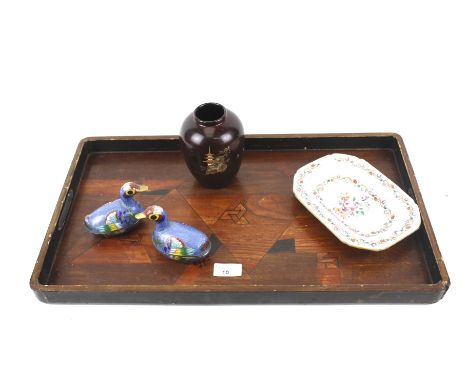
(351, 205)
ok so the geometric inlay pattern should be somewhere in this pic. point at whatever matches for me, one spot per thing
(236, 215)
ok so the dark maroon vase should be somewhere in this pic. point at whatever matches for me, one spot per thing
(212, 140)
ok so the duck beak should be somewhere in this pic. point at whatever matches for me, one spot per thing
(140, 216)
(142, 188)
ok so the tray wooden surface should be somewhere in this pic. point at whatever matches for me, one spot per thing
(286, 254)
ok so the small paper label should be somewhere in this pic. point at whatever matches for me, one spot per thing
(227, 270)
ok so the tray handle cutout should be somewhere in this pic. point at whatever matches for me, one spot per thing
(65, 210)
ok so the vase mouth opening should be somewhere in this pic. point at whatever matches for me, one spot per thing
(210, 113)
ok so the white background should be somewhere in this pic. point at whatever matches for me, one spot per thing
(75, 69)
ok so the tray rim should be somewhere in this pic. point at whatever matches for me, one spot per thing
(439, 287)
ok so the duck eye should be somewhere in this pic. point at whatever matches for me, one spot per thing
(130, 192)
(153, 217)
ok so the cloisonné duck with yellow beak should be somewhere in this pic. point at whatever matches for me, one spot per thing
(117, 217)
(176, 241)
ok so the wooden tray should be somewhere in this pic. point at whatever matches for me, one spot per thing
(286, 254)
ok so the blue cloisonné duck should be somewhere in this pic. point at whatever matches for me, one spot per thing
(117, 217)
(176, 241)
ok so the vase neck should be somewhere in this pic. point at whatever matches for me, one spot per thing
(210, 114)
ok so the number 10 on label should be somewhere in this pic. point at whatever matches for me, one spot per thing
(227, 270)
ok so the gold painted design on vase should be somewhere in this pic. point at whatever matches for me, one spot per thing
(216, 163)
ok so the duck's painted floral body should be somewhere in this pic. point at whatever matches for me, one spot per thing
(177, 241)
(117, 217)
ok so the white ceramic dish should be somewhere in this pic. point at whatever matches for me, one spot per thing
(356, 202)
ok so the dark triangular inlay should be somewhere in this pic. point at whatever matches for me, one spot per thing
(215, 244)
(285, 245)
(162, 191)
